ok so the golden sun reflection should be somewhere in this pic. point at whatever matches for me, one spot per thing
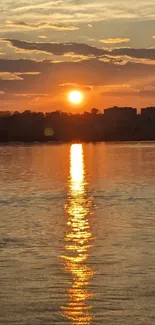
(78, 241)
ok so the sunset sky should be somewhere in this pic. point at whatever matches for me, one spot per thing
(104, 48)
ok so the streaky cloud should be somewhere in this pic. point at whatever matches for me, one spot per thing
(82, 49)
(24, 25)
(115, 40)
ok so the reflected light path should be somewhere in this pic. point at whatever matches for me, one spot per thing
(78, 241)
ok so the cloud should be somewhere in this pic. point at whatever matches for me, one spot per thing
(76, 57)
(84, 50)
(22, 24)
(126, 90)
(130, 93)
(16, 75)
(68, 86)
(42, 36)
(30, 73)
(44, 77)
(56, 48)
(31, 95)
(114, 40)
(77, 11)
(124, 59)
(135, 53)
(9, 76)
(24, 66)
(119, 90)
(31, 83)
(72, 10)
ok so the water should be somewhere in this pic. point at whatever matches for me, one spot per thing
(77, 234)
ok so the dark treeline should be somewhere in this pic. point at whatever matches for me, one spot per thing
(115, 124)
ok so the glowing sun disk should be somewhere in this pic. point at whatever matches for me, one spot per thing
(75, 97)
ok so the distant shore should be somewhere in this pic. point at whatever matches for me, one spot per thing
(20, 142)
(113, 125)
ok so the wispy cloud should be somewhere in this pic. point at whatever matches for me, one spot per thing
(22, 24)
(31, 95)
(16, 75)
(114, 40)
(56, 48)
(78, 11)
(42, 37)
(81, 10)
(9, 76)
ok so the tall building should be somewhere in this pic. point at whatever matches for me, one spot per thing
(148, 112)
(120, 113)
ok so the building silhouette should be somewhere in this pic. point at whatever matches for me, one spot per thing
(114, 124)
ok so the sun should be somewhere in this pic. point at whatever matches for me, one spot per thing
(75, 96)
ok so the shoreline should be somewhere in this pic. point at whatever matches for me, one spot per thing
(36, 142)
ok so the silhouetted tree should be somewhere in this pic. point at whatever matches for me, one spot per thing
(115, 124)
(95, 111)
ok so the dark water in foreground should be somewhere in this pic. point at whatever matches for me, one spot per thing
(77, 234)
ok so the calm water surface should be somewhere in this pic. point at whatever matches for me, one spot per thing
(77, 234)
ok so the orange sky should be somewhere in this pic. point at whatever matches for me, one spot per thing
(50, 48)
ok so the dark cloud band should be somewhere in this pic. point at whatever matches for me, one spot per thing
(82, 49)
